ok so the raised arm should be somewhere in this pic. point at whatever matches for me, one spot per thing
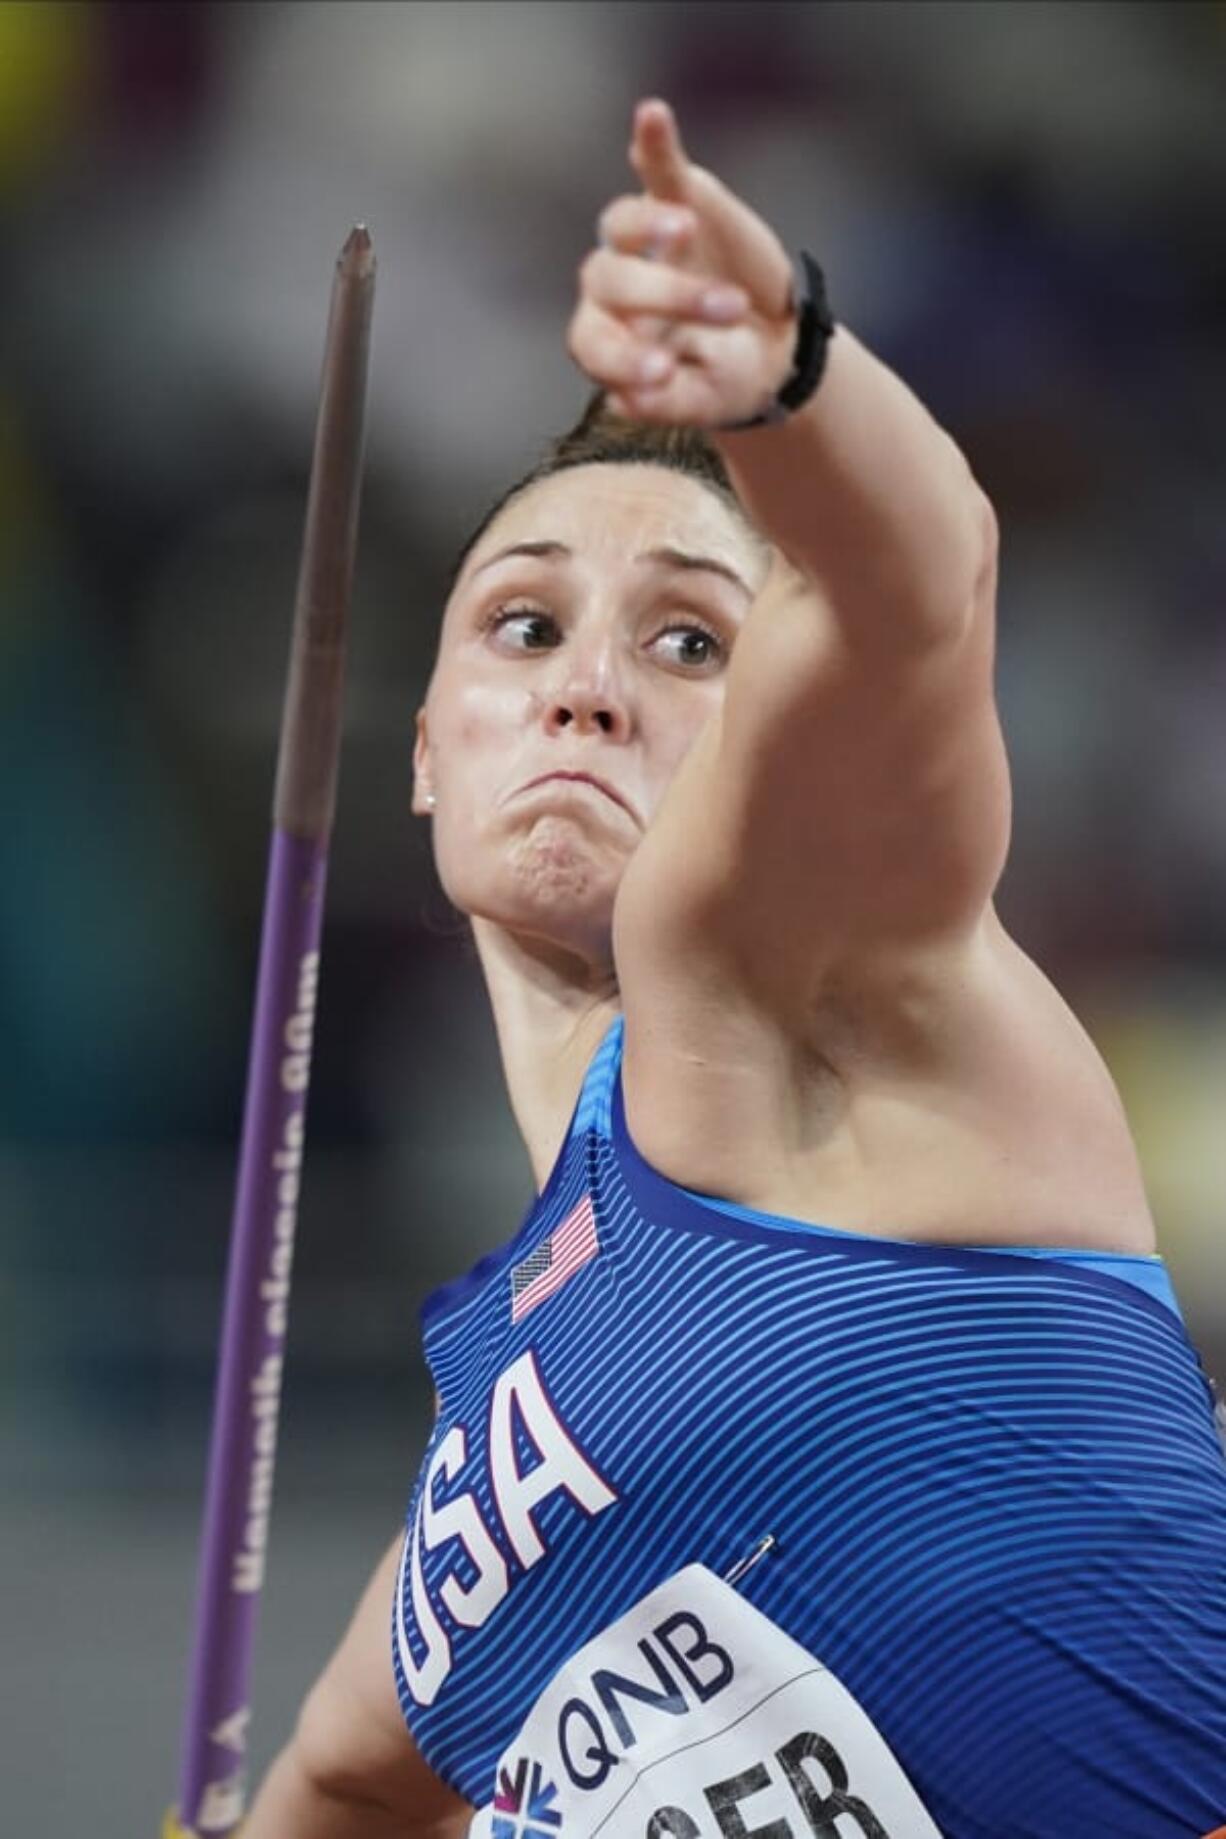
(861, 488)
(854, 794)
(870, 499)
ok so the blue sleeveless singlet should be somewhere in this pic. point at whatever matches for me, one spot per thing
(984, 1486)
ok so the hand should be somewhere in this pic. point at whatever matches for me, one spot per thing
(684, 314)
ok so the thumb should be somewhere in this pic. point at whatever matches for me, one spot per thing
(656, 151)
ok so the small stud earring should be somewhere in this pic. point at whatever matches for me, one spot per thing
(430, 801)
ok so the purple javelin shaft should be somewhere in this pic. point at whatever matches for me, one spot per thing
(240, 1476)
(241, 1459)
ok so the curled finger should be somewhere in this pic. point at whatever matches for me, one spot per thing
(611, 354)
(623, 284)
(686, 399)
(638, 225)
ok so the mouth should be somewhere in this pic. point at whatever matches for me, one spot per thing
(592, 779)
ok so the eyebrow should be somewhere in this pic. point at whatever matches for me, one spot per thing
(665, 556)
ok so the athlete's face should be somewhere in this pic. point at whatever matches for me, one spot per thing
(570, 684)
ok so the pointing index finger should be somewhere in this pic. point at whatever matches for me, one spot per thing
(656, 152)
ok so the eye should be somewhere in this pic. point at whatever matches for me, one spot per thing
(691, 647)
(523, 629)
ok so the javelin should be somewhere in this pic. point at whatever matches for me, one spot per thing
(238, 1493)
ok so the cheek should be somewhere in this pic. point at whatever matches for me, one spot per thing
(680, 725)
(477, 724)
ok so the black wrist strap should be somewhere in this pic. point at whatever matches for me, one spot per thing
(814, 330)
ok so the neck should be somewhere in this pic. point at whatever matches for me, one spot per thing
(551, 1009)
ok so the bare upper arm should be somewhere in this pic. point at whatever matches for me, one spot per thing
(351, 1737)
(846, 801)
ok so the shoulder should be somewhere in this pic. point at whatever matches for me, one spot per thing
(939, 1094)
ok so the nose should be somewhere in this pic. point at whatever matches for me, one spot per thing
(588, 696)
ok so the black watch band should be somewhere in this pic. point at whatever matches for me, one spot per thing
(814, 330)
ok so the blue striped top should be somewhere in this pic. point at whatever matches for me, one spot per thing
(992, 1478)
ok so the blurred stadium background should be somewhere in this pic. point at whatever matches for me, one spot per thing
(1019, 205)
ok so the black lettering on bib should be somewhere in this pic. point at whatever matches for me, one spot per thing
(699, 1654)
(671, 1823)
(822, 1810)
(664, 1696)
(597, 1752)
(722, 1797)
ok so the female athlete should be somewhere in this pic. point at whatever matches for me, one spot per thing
(825, 1453)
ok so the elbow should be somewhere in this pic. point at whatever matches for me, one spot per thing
(954, 596)
(944, 587)
(986, 545)
(324, 1762)
(973, 599)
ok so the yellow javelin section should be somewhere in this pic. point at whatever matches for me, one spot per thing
(172, 1829)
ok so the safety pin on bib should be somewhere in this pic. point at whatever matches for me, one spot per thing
(744, 1565)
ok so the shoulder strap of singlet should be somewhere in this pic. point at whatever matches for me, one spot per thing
(594, 1110)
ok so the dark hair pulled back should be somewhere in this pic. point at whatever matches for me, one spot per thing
(600, 438)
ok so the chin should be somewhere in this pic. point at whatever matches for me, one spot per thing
(555, 872)
(554, 883)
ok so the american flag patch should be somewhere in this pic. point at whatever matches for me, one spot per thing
(568, 1247)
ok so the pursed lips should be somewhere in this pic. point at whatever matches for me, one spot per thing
(601, 785)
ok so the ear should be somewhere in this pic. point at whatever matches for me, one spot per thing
(423, 783)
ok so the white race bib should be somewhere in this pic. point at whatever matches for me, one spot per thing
(694, 1717)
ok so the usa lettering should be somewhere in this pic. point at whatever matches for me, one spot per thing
(445, 1517)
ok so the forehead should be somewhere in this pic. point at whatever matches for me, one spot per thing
(609, 513)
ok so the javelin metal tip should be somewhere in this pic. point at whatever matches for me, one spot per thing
(357, 255)
(356, 261)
